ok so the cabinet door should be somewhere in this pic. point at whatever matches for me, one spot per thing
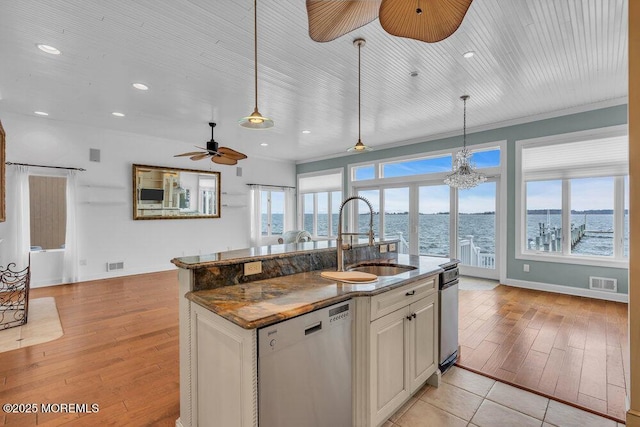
(423, 341)
(389, 385)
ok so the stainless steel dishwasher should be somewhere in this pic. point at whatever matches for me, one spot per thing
(304, 370)
(448, 295)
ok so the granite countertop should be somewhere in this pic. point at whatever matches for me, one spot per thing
(264, 302)
(264, 252)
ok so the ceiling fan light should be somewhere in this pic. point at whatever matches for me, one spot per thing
(256, 121)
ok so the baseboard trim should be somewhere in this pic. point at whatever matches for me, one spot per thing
(568, 290)
(101, 276)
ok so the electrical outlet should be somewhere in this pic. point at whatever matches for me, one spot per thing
(252, 268)
(383, 249)
(392, 247)
(525, 268)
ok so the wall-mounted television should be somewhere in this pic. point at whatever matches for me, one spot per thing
(151, 195)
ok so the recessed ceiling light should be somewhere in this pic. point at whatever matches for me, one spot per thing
(117, 114)
(264, 144)
(48, 49)
(306, 131)
(41, 113)
(468, 54)
(141, 86)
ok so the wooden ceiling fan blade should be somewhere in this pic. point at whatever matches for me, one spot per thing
(330, 19)
(199, 156)
(191, 153)
(437, 21)
(229, 152)
(223, 160)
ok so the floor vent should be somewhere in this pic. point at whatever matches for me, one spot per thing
(603, 284)
(115, 265)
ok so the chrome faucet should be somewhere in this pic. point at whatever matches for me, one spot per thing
(339, 244)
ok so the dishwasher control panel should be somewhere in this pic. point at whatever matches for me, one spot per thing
(280, 335)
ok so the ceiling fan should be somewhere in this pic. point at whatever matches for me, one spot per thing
(221, 155)
(425, 20)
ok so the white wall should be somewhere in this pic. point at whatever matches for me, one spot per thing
(106, 230)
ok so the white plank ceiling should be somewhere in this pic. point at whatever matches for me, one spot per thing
(534, 58)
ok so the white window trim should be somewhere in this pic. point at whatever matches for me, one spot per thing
(329, 190)
(498, 172)
(615, 261)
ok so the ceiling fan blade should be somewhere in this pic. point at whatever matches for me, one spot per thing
(199, 156)
(229, 152)
(437, 21)
(223, 160)
(330, 19)
(191, 153)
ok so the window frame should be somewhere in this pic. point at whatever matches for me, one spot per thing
(617, 260)
(269, 213)
(328, 190)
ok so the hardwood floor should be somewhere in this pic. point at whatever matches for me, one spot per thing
(569, 348)
(119, 350)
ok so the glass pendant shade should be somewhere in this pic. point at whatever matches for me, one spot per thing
(464, 176)
(256, 121)
(359, 147)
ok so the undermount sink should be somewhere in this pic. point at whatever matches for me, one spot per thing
(382, 269)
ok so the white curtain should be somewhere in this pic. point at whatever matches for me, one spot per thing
(290, 209)
(70, 263)
(23, 218)
(256, 216)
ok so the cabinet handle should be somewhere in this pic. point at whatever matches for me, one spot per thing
(409, 317)
(410, 293)
(414, 315)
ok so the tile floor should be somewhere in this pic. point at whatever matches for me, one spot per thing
(43, 325)
(467, 399)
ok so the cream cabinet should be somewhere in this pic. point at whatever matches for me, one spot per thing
(400, 351)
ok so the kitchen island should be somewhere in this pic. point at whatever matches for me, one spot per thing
(223, 307)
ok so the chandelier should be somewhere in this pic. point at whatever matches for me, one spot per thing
(464, 176)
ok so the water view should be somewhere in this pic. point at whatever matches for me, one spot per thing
(480, 229)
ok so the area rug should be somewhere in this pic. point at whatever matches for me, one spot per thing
(476, 284)
(43, 325)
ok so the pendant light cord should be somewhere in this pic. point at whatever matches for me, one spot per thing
(464, 125)
(255, 49)
(359, 46)
(464, 122)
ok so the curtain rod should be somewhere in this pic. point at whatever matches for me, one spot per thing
(269, 185)
(43, 166)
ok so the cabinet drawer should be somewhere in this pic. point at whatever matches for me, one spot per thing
(391, 301)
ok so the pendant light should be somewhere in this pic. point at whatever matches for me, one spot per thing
(464, 176)
(359, 147)
(255, 120)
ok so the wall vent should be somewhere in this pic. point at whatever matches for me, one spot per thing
(115, 265)
(603, 284)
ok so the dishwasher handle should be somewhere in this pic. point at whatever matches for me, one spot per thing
(313, 328)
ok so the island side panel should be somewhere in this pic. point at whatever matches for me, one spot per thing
(224, 382)
(185, 279)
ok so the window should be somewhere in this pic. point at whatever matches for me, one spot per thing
(574, 197)
(272, 212)
(48, 211)
(361, 173)
(320, 196)
(417, 166)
